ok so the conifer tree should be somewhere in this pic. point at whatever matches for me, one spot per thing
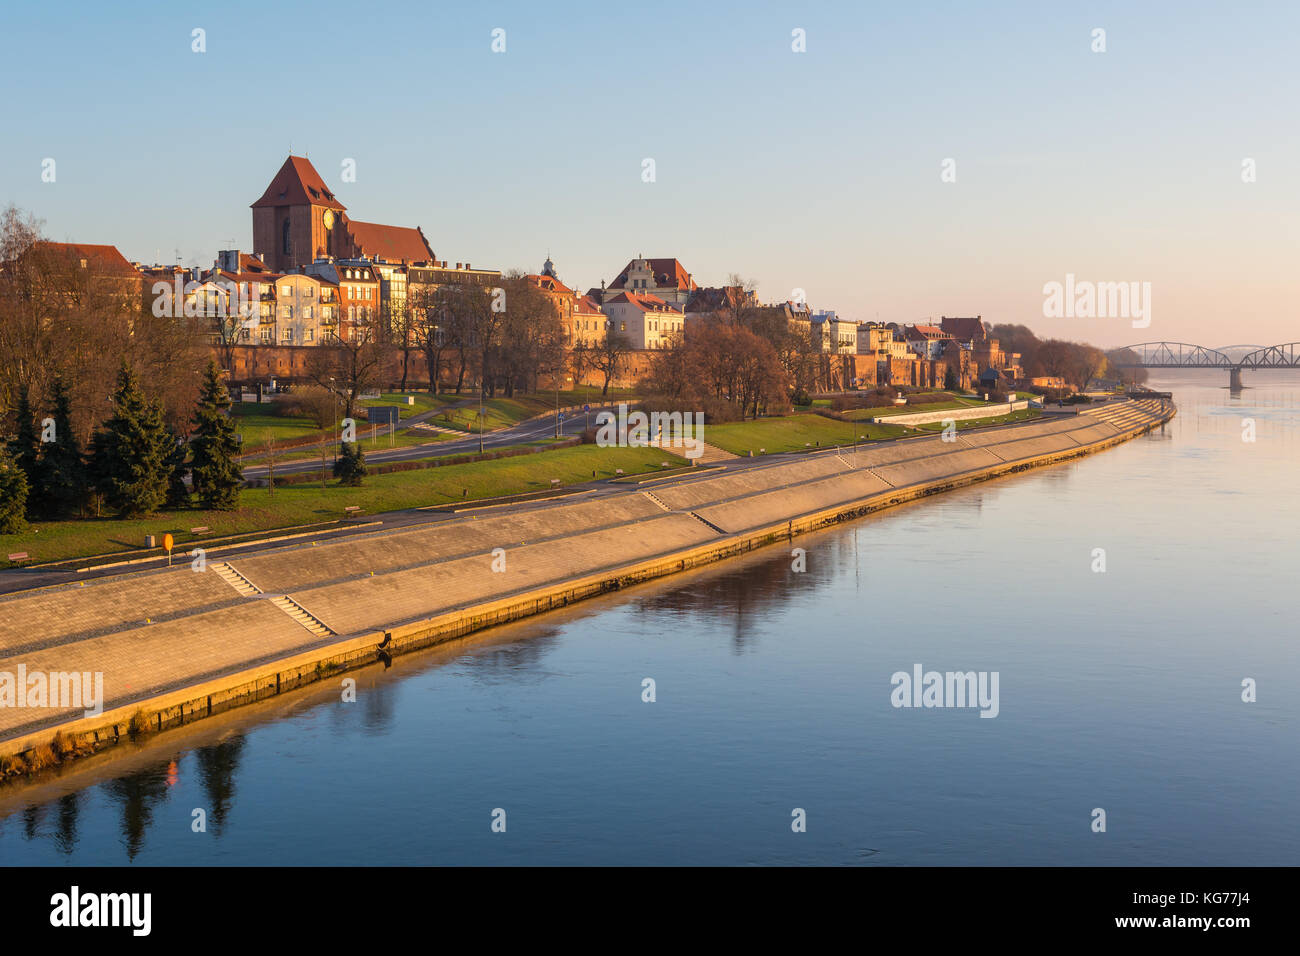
(178, 492)
(13, 495)
(216, 472)
(129, 455)
(24, 447)
(61, 478)
(350, 467)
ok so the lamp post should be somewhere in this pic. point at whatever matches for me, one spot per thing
(337, 434)
(480, 416)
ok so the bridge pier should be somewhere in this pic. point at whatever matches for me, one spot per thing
(1234, 378)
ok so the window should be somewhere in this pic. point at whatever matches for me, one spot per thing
(286, 290)
(285, 245)
(287, 336)
(307, 335)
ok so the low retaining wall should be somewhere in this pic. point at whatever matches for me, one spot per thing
(88, 734)
(955, 414)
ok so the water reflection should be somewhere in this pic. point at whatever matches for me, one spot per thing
(139, 794)
(217, 766)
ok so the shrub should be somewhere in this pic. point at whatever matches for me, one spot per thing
(350, 466)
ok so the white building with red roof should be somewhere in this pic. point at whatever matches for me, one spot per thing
(666, 279)
(646, 321)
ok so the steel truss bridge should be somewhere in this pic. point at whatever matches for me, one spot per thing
(1184, 355)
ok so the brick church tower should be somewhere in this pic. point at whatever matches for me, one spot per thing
(298, 218)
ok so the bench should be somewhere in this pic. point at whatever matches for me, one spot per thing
(200, 529)
(18, 556)
(353, 509)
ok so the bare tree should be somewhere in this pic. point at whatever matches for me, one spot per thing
(609, 356)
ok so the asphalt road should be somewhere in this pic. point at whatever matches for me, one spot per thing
(573, 425)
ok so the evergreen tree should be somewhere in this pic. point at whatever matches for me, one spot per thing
(13, 496)
(129, 455)
(217, 475)
(350, 467)
(178, 492)
(24, 447)
(61, 479)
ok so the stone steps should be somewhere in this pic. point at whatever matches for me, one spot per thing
(300, 614)
(236, 580)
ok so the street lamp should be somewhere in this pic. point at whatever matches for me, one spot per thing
(338, 435)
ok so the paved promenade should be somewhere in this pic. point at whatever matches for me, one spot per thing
(158, 631)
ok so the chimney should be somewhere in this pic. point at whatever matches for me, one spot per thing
(458, 265)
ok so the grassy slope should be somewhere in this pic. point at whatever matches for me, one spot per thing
(310, 503)
(791, 433)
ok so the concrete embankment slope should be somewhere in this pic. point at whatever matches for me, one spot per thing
(178, 644)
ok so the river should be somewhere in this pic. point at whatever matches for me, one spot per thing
(1119, 690)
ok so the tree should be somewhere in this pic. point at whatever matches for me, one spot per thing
(217, 475)
(61, 478)
(348, 367)
(13, 496)
(350, 466)
(24, 447)
(129, 455)
(178, 492)
(608, 357)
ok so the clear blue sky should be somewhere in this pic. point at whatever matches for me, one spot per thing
(818, 170)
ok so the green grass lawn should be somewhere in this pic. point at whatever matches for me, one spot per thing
(423, 401)
(792, 433)
(256, 424)
(260, 510)
(505, 412)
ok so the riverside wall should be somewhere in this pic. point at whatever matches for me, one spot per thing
(358, 600)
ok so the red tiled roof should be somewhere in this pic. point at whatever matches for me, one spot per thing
(963, 328)
(105, 259)
(550, 284)
(586, 305)
(926, 331)
(394, 243)
(667, 272)
(643, 301)
(296, 183)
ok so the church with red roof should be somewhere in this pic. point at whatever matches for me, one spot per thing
(299, 219)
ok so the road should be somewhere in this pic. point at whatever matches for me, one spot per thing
(572, 426)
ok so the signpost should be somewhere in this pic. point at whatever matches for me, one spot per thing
(168, 543)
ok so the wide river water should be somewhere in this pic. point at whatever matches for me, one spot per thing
(1119, 690)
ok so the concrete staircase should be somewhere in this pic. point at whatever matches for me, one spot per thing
(300, 614)
(1127, 415)
(236, 580)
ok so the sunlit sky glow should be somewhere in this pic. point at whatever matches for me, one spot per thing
(818, 170)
